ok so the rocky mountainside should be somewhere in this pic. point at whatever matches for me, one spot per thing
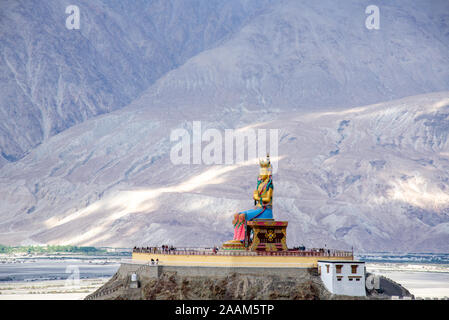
(239, 55)
(311, 55)
(373, 177)
(53, 78)
(351, 173)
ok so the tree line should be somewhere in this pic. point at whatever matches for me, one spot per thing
(49, 249)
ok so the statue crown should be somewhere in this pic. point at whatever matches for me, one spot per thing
(265, 163)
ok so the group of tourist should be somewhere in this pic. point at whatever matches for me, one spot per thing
(299, 248)
(322, 250)
(162, 249)
(168, 250)
(317, 250)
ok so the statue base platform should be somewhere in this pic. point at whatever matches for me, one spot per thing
(266, 235)
(261, 235)
(233, 245)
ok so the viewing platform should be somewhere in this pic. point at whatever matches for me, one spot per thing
(210, 257)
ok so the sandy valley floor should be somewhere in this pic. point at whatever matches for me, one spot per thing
(49, 290)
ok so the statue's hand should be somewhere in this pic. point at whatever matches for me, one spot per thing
(268, 196)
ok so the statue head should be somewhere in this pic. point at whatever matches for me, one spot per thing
(265, 168)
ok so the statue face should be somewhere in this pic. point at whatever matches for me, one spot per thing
(264, 173)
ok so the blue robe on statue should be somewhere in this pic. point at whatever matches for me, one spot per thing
(256, 214)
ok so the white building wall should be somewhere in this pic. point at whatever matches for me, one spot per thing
(351, 284)
(326, 277)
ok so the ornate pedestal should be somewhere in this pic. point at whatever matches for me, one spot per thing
(266, 235)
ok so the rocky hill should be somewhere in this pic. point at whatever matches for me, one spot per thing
(229, 286)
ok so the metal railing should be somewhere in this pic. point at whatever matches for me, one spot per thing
(211, 251)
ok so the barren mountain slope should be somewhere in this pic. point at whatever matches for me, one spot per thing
(372, 177)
